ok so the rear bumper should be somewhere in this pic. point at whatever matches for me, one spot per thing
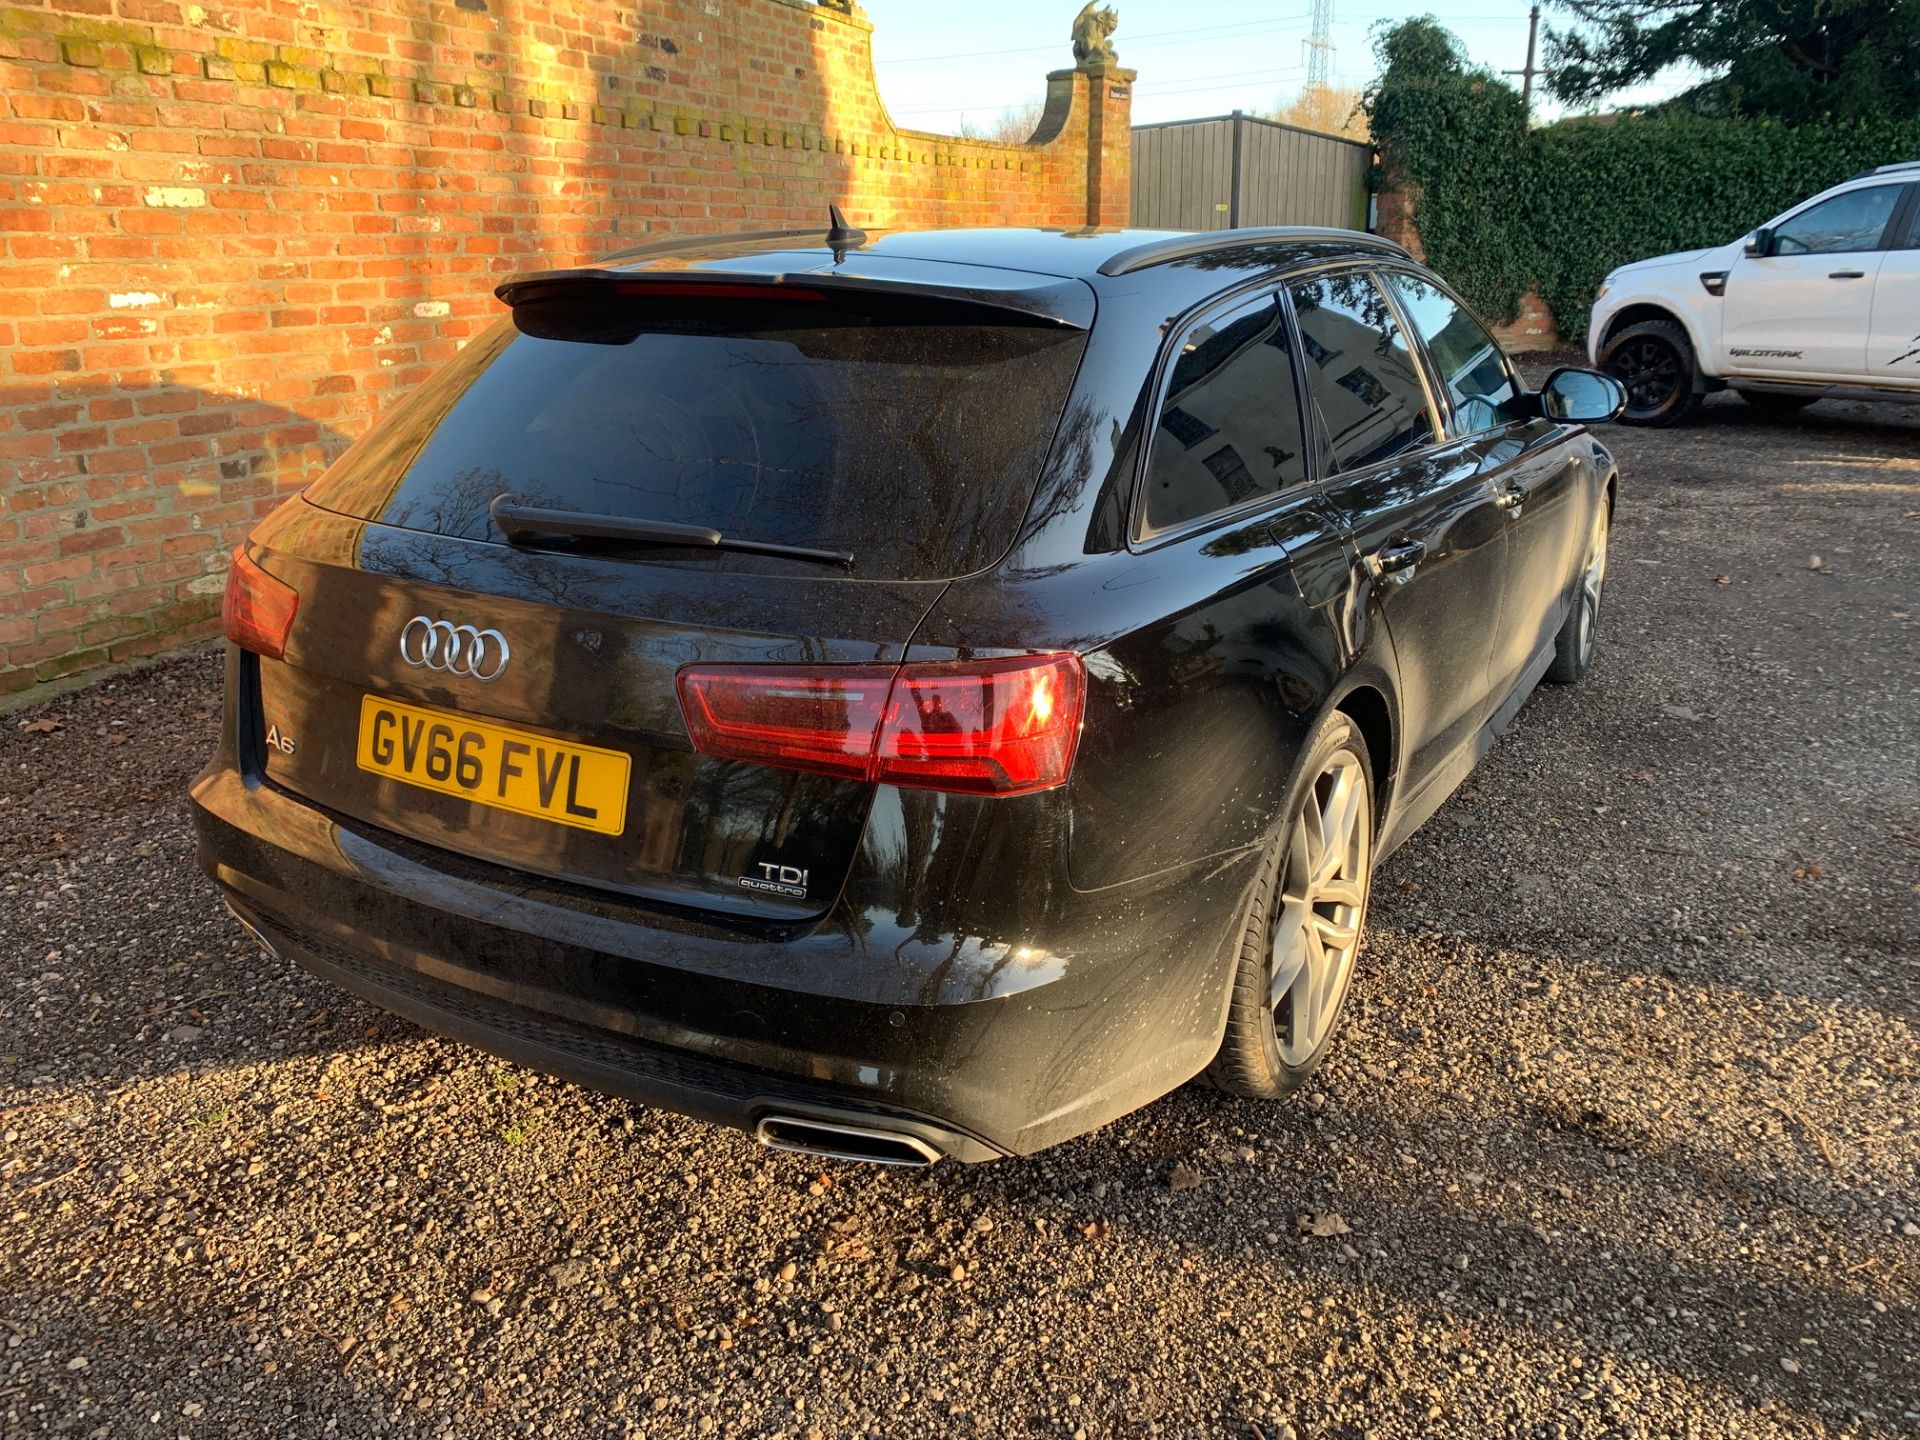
(977, 1045)
(707, 1090)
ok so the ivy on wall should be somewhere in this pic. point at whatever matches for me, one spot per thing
(1503, 209)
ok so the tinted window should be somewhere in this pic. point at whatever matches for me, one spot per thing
(1229, 427)
(1467, 362)
(1853, 221)
(1361, 372)
(911, 437)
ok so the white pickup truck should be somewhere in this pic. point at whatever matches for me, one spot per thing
(1823, 300)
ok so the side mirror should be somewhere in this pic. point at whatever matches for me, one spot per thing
(1760, 243)
(1582, 397)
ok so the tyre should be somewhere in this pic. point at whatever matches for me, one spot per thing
(1573, 647)
(1654, 360)
(1301, 932)
(1770, 403)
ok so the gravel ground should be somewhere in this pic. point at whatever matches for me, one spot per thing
(1620, 1138)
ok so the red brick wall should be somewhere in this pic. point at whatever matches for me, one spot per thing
(1395, 207)
(235, 230)
(1532, 329)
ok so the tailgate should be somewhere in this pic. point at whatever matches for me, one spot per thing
(573, 759)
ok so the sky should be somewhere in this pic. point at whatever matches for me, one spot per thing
(942, 61)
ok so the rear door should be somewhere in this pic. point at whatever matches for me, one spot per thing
(1893, 353)
(1804, 312)
(1419, 509)
(1224, 525)
(1531, 462)
(517, 706)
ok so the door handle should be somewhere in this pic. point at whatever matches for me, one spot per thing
(1396, 558)
(1847, 275)
(1511, 498)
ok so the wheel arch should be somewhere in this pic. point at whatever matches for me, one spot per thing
(1366, 704)
(1641, 310)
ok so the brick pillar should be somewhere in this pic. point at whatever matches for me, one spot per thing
(1104, 94)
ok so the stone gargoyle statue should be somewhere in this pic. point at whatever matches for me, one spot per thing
(1093, 30)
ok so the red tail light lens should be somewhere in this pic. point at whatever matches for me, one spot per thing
(999, 728)
(993, 727)
(819, 719)
(257, 611)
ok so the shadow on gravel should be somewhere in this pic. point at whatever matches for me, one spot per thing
(1570, 1195)
(1537, 1214)
(222, 1371)
(1823, 421)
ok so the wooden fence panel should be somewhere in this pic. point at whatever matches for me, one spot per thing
(1184, 172)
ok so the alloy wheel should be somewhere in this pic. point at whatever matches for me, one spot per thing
(1323, 901)
(1651, 373)
(1592, 580)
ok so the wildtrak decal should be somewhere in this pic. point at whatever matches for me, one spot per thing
(1766, 354)
(1913, 354)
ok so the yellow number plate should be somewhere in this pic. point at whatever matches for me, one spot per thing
(508, 769)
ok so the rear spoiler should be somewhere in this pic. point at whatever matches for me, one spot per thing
(1050, 299)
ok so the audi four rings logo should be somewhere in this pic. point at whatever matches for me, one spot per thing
(456, 649)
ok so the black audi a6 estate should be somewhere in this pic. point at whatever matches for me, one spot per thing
(909, 697)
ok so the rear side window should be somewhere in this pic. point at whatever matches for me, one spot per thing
(909, 433)
(1361, 371)
(1848, 222)
(1229, 429)
(1467, 362)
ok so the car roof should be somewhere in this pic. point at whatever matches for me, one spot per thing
(1083, 254)
(1054, 275)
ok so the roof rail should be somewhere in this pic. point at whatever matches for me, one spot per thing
(1184, 247)
(1885, 169)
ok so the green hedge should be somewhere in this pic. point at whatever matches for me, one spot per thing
(1502, 209)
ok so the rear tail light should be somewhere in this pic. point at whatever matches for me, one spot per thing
(999, 728)
(822, 720)
(990, 727)
(257, 611)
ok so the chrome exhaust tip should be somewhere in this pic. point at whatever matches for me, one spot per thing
(254, 932)
(839, 1140)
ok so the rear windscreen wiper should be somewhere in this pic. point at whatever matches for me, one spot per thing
(530, 524)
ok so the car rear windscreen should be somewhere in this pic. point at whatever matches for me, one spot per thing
(909, 433)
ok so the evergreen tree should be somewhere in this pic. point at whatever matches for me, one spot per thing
(1794, 60)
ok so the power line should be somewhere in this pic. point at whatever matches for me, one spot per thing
(1197, 33)
(1196, 83)
(1192, 34)
(1176, 85)
(1242, 80)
